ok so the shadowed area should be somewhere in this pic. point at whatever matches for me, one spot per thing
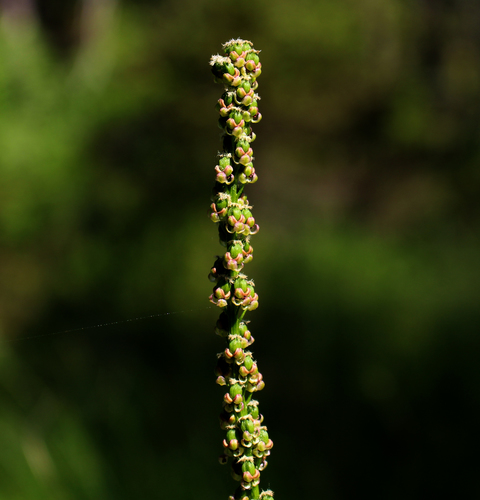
(366, 263)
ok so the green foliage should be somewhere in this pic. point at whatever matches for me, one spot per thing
(367, 265)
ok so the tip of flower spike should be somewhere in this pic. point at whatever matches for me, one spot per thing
(238, 41)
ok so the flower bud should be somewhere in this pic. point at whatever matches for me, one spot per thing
(233, 54)
(231, 124)
(250, 473)
(241, 93)
(246, 101)
(246, 86)
(241, 287)
(244, 331)
(233, 263)
(245, 160)
(227, 78)
(235, 390)
(250, 65)
(231, 440)
(227, 98)
(222, 109)
(237, 116)
(248, 363)
(223, 162)
(247, 425)
(220, 295)
(240, 62)
(238, 131)
(236, 250)
(236, 81)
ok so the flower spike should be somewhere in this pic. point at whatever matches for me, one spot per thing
(247, 443)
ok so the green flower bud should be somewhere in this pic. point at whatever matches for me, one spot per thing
(250, 64)
(220, 295)
(234, 395)
(238, 131)
(237, 116)
(250, 473)
(246, 212)
(231, 440)
(246, 334)
(235, 344)
(252, 306)
(248, 467)
(221, 204)
(245, 160)
(247, 425)
(241, 93)
(240, 284)
(231, 434)
(264, 436)
(236, 250)
(242, 145)
(243, 328)
(227, 98)
(235, 390)
(224, 162)
(254, 412)
(224, 290)
(236, 81)
(227, 79)
(248, 363)
(237, 48)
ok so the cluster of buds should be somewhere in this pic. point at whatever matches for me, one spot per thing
(247, 443)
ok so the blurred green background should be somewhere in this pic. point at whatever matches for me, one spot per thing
(367, 262)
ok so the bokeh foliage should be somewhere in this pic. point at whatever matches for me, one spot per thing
(366, 263)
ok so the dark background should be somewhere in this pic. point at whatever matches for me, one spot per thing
(367, 262)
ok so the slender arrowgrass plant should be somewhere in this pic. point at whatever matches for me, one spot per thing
(246, 443)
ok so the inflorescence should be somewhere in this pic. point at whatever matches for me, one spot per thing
(247, 442)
